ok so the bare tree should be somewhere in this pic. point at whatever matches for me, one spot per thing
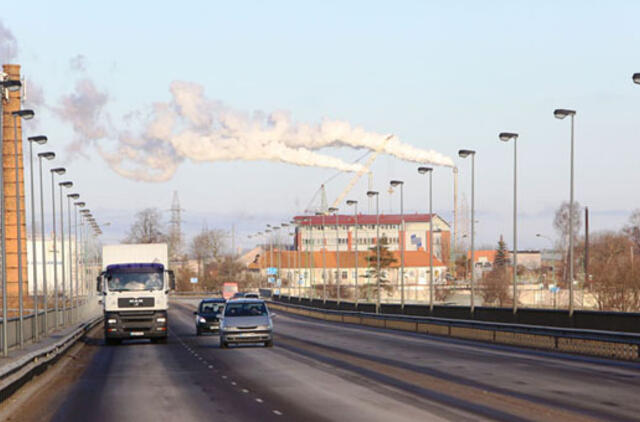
(632, 230)
(616, 280)
(147, 228)
(206, 248)
(561, 222)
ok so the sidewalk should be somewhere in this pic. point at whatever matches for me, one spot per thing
(17, 356)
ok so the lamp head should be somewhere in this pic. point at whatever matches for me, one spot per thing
(49, 155)
(79, 204)
(40, 139)
(424, 170)
(371, 193)
(73, 196)
(25, 114)
(332, 209)
(395, 183)
(12, 84)
(507, 136)
(464, 153)
(351, 202)
(561, 113)
(59, 171)
(636, 78)
(66, 184)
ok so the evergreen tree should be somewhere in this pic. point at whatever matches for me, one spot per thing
(386, 259)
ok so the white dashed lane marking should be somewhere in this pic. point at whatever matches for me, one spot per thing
(277, 412)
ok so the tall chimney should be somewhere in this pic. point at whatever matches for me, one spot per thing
(10, 173)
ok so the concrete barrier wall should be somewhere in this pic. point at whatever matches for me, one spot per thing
(624, 346)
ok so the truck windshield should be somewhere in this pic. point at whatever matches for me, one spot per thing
(130, 281)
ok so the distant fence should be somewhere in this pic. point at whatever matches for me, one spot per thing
(627, 322)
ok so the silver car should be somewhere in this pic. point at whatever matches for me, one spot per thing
(246, 321)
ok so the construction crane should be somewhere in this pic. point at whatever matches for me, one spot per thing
(365, 169)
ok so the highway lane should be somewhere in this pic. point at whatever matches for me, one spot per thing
(327, 371)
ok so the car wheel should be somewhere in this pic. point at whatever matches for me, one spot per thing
(268, 343)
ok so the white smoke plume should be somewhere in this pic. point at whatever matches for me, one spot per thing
(193, 127)
(8, 45)
(84, 110)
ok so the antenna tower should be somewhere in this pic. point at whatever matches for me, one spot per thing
(175, 229)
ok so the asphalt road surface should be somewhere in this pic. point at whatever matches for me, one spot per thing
(323, 371)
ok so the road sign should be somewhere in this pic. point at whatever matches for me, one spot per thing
(272, 271)
(194, 280)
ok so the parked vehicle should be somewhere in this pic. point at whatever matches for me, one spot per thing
(246, 321)
(208, 315)
(252, 296)
(237, 295)
(134, 285)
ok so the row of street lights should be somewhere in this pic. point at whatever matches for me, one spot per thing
(7, 85)
(506, 137)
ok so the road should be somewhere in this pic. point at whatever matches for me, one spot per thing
(323, 371)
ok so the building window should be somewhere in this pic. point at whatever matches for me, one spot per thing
(345, 275)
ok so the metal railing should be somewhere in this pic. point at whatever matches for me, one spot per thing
(86, 309)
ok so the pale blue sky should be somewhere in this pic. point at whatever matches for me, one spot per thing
(440, 75)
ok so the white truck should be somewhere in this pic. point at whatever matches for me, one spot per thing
(135, 282)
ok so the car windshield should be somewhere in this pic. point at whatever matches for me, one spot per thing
(245, 309)
(211, 308)
(131, 281)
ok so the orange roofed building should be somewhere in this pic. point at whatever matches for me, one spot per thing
(309, 267)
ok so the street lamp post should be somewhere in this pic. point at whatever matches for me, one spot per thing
(269, 238)
(26, 115)
(66, 184)
(371, 194)
(464, 153)
(36, 329)
(71, 196)
(561, 114)
(400, 183)
(59, 171)
(324, 259)
(429, 170)
(355, 214)
(85, 213)
(277, 239)
(6, 85)
(506, 137)
(334, 210)
(49, 156)
(76, 263)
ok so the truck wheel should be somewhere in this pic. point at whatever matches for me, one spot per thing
(224, 345)
(268, 343)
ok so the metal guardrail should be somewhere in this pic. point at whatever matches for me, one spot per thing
(17, 373)
(581, 319)
(618, 345)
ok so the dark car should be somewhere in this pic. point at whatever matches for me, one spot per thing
(238, 295)
(208, 315)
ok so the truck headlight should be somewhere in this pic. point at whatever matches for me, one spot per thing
(201, 320)
(161, 319)
(111, 321)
